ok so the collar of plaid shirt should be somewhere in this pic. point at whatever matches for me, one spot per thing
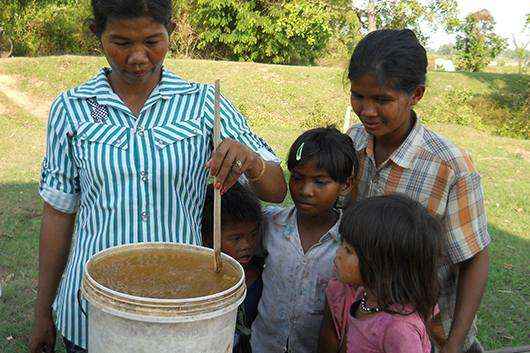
(404, 155)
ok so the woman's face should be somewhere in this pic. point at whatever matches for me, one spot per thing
(383, 111)
(347, 265)
(135, 48)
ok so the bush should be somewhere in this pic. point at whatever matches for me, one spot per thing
(51, 29)
(294, 32)
(184, 39)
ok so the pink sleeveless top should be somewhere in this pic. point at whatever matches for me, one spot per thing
(382, 332)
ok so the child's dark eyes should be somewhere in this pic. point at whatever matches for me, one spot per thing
(356, 95)
(122, 44)
(320, 183)
(383, 100)
(151, 42)
(296, 177)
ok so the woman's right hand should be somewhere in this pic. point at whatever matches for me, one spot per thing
(43, 335)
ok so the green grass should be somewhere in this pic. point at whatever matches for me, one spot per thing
(281, 101)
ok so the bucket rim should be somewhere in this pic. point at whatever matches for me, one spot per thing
(164, 301)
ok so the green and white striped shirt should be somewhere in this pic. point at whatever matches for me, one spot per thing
(130, 179)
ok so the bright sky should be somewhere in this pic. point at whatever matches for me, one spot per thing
(509, 16)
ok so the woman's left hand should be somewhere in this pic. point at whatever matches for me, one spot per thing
(229, 161)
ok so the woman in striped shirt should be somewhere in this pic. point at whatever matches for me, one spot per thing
(127, 160)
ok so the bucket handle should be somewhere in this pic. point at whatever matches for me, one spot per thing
(79, 302)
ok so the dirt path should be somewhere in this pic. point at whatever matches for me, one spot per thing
(31, 105)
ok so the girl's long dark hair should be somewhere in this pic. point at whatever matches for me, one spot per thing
(398, 244)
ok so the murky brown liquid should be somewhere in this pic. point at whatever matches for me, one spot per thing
(162, 274)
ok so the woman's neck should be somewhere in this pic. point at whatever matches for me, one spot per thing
(393, 140)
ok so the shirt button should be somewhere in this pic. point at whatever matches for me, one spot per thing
(144, 175)
(140, 131)
(145, 215)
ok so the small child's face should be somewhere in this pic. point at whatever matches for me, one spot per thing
(240, 240)
(347, 265)
(312, 189)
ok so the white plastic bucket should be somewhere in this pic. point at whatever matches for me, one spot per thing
(118, 322)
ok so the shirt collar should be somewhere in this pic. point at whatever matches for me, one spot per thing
(291, 226)
(99, 87)
(404, 155)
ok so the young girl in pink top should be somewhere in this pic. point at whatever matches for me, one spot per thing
(387, 283)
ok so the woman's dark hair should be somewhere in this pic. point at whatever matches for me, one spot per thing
(238, 204)
(103, 10)
(333, 151)
(394, 57)
(398, 244)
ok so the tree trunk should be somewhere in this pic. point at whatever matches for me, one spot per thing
(371, 16)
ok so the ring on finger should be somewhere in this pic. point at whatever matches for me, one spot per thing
(238, 164)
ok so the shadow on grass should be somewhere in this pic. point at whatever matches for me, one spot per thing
(508, 95)
(503, 318)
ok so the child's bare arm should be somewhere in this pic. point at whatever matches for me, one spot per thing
(328, 341)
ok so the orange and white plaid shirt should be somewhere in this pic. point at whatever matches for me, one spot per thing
(432, 170)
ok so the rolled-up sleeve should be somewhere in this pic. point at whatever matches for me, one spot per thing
(59, 183)
(465, 220)
(234, 125)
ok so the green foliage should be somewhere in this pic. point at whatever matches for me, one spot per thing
(476, 43)
(183, 40)
(49, 29)
(446, 49)
(413, 14)
(294, 32)
(346, 33)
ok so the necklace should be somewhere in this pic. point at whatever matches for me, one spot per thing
(368, 309)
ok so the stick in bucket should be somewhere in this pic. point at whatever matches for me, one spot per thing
(218, 266)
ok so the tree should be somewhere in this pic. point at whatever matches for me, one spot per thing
(421, 16)
(521, 53)
(446, 49)
(476, 42)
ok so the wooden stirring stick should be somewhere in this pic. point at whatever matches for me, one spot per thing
(218, 266)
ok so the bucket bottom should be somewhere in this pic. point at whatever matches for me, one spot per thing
(112, 334)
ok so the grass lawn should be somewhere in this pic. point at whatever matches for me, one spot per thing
(293, 98)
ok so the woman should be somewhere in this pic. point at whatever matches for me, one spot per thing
(398, 154)
(129, 152)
